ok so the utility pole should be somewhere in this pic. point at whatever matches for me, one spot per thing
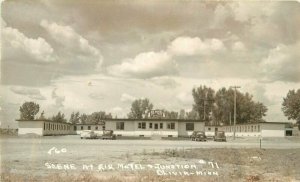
(230, 118)
(234, 119)
(204, 110)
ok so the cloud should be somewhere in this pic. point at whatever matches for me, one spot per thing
(282, 63)
(145, 65)
(127, 98)
(59, 100)
(15, 42)
(238, 46)
(30, 92)
(165, 81)
(185, 98)
(96, 96)
(221, 14)
(247, 11)
(156, 64)
(195, 46)
(118, 112)
(74, 44)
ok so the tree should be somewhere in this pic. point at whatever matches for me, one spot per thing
(60, 117)
(219, 107)
(75, 118)
(192, 115)
(182, 114)
(28, 110)
(170, 114)
(140, 109)
(291, 106)
(83, 118)
(224, 105)
(98, 117)
(203, 98)
(248, 111)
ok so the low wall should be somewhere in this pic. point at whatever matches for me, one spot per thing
(273, 133)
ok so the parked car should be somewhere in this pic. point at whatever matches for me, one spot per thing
(88, 135)
(108, 135)
(220, 136)
(198, 136)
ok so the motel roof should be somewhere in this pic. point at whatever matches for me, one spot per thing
(151, 119)
(121, 119)
(47, 120)
(241, 124)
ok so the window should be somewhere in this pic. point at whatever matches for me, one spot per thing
(171, 126)
(189, 126)
(103, 127)
(161, 125)
(96, 128)
(120, 126)
(258, 128)
(142, 125)
(150, 125)
(209, 129)
(81, 127)
(75, 128)
(89, 127)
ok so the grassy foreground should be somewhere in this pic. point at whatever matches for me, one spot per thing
(235, 165)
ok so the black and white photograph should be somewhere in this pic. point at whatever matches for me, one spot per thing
(150, 91)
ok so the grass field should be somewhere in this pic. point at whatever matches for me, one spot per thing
(23, 159)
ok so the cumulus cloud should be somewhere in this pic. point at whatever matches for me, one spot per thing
(157, 64)
(282, 63)
(59, 100)
(238, 46)
(30, 92)
(195, 46)
(15, 42)
(127, 98)
(145, 65)
(73, 43)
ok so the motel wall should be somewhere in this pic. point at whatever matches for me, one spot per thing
(30, 127)
(151, 127)
(44, 127)
(183, 131)
(262, 129)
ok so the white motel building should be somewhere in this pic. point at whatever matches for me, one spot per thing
(152, 127)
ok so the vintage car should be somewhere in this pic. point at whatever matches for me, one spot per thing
(108, 135)
(220, 136)
(86, 134)
(198, 136)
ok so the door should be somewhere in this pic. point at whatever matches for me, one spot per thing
(156, 126)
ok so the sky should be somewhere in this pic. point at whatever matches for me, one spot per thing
(89, 55)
